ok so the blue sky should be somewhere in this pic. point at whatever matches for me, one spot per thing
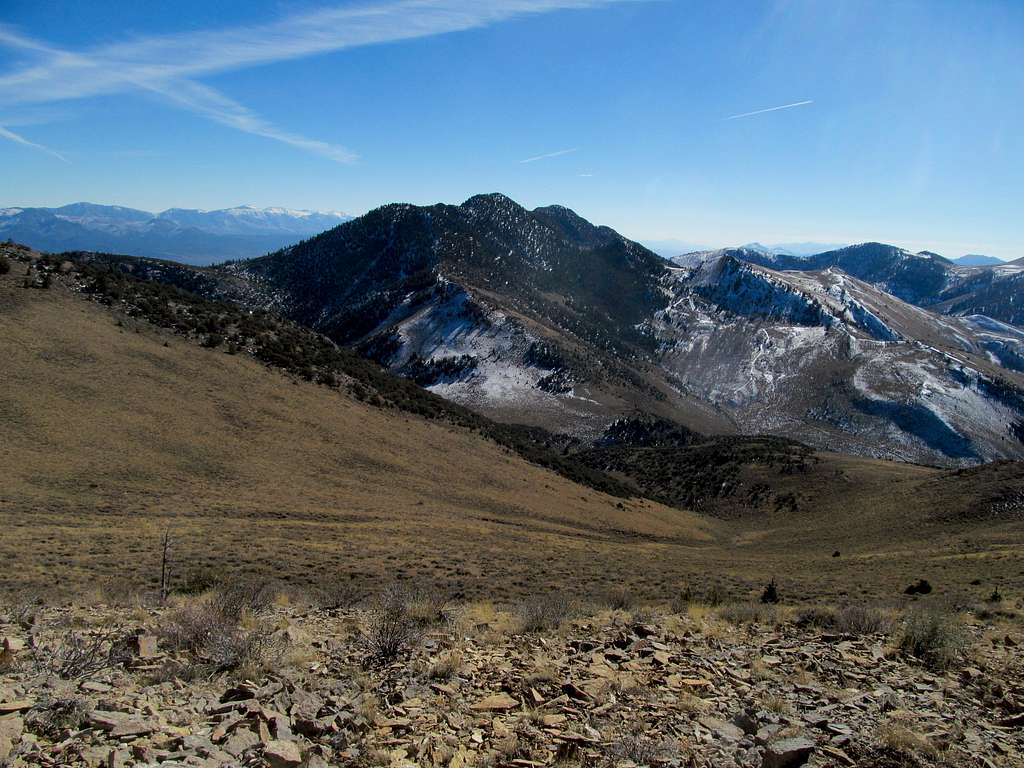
(912, 134)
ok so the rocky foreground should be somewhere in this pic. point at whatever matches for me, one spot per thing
(254, 681)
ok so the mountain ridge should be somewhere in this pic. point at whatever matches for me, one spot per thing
(540, 317)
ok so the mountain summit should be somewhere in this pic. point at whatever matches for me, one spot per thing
(539, 316)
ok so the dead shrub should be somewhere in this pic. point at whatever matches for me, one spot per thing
(545, 612)
(248, 653)
(209, 630)
(77, 656)
(935, 638)
(643, 750)
(54, 719)
(21, 608)
(388, 625)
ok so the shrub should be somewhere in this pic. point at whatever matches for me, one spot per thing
(56, 718)
(544, 612)
(388, 626)
(682, 600)
(447, 666)
(935, 638)
(715, 595)
(337, 593)
(643, 750)
(193, 626)
(234, 598)
(248, 653)
(200, 580)
(76, 656)
(425, 605)
(920, 587)
(620, 598)
(863, 620)
(209, 630)
(771, 593)
(749, 613)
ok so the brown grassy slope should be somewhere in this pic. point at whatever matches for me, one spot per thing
(109, 435)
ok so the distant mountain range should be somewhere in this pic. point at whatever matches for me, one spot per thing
(186, 235)
(924, 279)
(541, 317)
(671, 248)
(978, 260)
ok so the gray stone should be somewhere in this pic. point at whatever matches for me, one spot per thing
(282, 754)
(787, 753)
(722, 729)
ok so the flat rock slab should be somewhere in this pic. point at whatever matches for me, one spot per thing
(499, 702)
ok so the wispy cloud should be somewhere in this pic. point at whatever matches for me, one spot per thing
(546, 155)
(771, 109)
(17, 139)
(169, 64)
(210, 103)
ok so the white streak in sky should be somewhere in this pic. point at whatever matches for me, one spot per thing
(169, 64)
(771, 109)
(12, 136)
(545, 156)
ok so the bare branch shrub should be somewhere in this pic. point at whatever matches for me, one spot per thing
(76, 656)
(388, 625)
(54, 719)
(545, 612)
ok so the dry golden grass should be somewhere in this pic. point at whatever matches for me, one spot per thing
(110, 435)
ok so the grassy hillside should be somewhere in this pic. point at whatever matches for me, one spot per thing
(113, 430)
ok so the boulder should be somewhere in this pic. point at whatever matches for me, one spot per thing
(282, 754)
(787, 753)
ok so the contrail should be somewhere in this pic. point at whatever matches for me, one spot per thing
(559, 153)
(12, 136)
(771, 109)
